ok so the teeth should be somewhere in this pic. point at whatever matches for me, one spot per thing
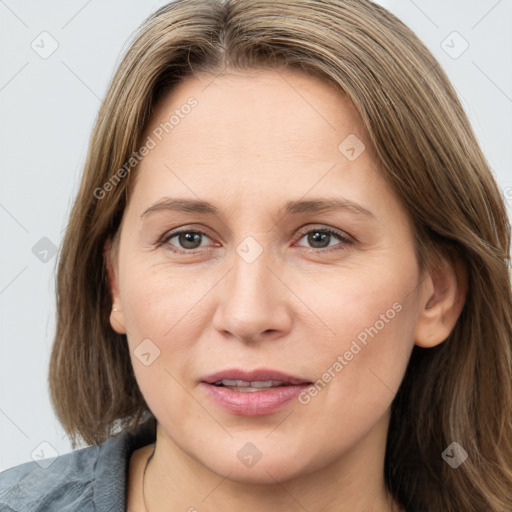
(265, 384)
(245, 384)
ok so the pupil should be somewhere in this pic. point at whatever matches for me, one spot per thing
(316, 237)
(192, 238)
(189, 238)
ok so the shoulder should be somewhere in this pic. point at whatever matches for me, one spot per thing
(89, 479)
(63, 483)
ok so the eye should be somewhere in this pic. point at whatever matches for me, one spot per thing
(320, 239)
(189, 240)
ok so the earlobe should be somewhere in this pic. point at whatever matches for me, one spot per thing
(442, 304)
(116, 314)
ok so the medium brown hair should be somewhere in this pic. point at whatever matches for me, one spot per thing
(460, 390)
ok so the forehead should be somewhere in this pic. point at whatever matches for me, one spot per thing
(257, 137)
(258, 110)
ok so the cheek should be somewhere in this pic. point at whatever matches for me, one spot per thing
(355, 303)
(361, 363)
(360, 369)
(158, 306)
(159, 301)
(165, 316)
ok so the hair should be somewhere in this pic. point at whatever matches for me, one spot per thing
(460, 390)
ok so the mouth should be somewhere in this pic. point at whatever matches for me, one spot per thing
(255, 380)
(253, 393)
(250, 387)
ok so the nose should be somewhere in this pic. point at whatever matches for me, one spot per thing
(253, 302)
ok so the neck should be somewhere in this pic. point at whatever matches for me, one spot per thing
(354, 482)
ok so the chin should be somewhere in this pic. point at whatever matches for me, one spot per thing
(261, 462)
(262, 473)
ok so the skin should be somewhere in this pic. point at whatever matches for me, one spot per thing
(254, 141)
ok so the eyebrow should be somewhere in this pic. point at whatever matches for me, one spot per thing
(290, 208)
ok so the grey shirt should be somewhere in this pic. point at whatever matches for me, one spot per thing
(86, 480)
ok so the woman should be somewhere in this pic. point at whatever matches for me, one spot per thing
(285, 280)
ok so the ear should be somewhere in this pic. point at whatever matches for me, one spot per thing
(116, 314)
(442, 302)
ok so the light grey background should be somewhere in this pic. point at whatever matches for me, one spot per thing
(48, 109)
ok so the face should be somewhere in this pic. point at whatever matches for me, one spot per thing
(264, 278)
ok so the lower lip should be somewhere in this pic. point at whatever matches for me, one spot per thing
(257, 403)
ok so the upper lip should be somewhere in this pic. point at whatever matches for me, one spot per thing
(261, 375)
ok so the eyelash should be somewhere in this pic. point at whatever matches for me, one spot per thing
(342, 237)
